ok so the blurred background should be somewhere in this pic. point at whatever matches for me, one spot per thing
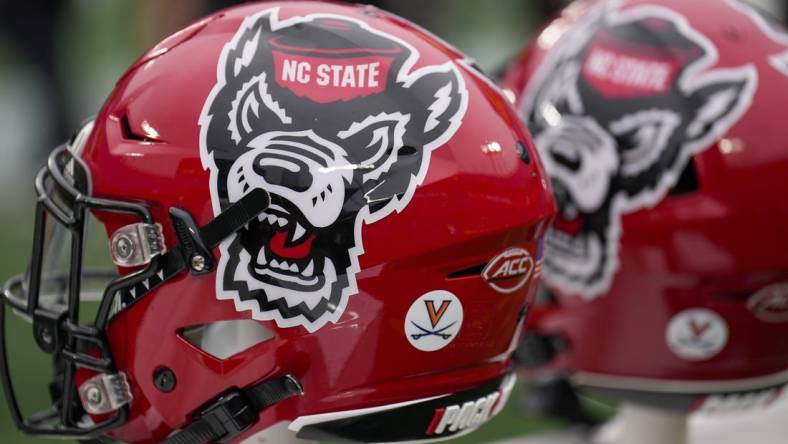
(59, 60)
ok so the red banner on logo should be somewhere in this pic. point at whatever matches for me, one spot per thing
(327, 80)
(617, 73)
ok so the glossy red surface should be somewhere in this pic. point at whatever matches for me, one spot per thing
(473, 204)
(712, 248)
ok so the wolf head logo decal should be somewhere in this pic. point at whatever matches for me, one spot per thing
(617, 111)
(330, 117)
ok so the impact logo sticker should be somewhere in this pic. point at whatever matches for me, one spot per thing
(433, 320)
(696, 334)
(617, 110)
(509, 271)
(431, 419)
(330, 117)
(456, 418)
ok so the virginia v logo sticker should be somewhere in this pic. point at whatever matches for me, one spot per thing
(433, 320)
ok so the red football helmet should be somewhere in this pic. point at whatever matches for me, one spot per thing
(335, 188)
(666, 265)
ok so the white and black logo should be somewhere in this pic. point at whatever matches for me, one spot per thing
(330, 117)
(617, 111)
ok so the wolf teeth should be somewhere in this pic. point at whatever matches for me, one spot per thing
(299, 232)
(278, 208)
(261, 257)
(294, 268)
(272, 219)
(274, 263)
(309, 268)
(281, 221)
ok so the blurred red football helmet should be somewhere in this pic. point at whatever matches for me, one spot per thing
(666, 265)
(333, 186)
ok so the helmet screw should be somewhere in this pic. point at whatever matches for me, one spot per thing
(197, 263)
(124, 247)
(93, 395)
(46, 336)
(164, 379)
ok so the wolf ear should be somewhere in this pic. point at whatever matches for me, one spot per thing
(719, 104)
(243, 97)
(248, 49)
(245, 66)
(442, 105)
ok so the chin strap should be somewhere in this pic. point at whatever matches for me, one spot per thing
(235, 412)
(193, 250)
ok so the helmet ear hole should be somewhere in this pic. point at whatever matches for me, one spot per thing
(223, 339)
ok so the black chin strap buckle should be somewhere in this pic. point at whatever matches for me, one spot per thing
(196, 254)
(229, 416)
(234, 412)
(195, 242)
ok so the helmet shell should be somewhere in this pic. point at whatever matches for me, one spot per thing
(667, 258)
(463, 186)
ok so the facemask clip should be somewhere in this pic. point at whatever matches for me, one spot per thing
(136, 244)
(105, 393)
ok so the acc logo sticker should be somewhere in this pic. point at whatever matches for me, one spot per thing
(770, 304)
(433, 320)
(696, 334)
(509, 271)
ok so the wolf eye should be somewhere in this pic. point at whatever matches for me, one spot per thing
(643, 138)
(570, 160)
(407, 151)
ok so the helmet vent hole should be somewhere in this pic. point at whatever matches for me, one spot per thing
(130, 133)
(466, 272)
(224, 339)
(688, 181)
